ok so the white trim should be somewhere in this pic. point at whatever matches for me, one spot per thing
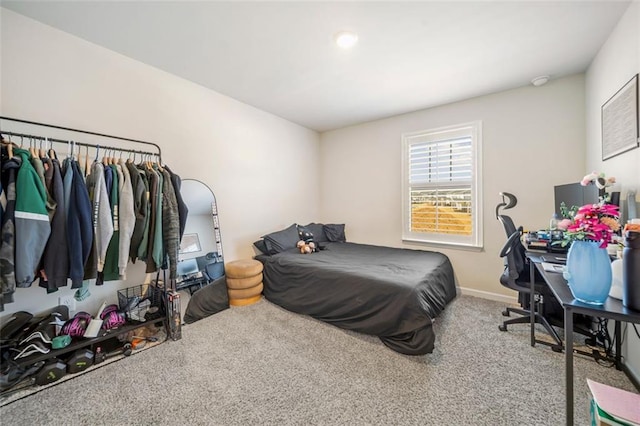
(32, 216)
(488, 295)
(438, 244)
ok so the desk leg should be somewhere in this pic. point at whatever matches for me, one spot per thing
(618, 337)
(532, 312)
(568, 357)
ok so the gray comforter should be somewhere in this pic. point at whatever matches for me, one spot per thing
(388, 292)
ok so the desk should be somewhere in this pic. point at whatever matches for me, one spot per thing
(189, 284)
(612, 309)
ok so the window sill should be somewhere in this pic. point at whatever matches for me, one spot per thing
(436, 244)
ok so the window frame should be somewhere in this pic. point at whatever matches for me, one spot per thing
(474, 130)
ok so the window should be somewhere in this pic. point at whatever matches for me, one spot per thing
(441, 175)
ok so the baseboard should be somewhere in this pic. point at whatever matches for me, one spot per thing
(488, 295)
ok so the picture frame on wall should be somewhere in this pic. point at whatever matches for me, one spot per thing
(620, 121)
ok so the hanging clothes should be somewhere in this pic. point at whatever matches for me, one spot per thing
(38, 165)
(58, 226)
(111, 271)
(56, 252)
(183, 211)
(158, 243)
(32, 221)
(102, 219)
(127, 219)
(170, 224)
(7, 249)
(79, 227)
(144, 241)
(140, 202)
(153, 209)
(108, 178)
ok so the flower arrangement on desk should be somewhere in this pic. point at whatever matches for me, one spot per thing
(593, 222)
(598, 179)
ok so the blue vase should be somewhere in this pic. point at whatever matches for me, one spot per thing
(588, 272)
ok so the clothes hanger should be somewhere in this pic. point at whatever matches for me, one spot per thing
(105, 158)
(41, 152)
(159, 163)
(86, 162)
(32, 149)
(80, 162)
(9, 144)
(52, 153)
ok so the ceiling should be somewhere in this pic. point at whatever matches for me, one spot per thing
(280, 56)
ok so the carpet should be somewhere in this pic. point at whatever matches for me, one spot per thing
(261, 364)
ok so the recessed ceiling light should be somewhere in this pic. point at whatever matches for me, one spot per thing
(540, 80)
(346, 39)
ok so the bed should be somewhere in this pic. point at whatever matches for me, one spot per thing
(391, 293)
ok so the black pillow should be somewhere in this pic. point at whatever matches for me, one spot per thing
(261, 245)
(318, 232)
(335, 232)
(305, 234)
(282, 240)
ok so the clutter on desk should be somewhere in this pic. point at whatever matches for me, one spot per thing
(553, 267)
(545, 240)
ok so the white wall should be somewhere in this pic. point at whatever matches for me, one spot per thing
(249, 158)
(617, 61)
(533, 139)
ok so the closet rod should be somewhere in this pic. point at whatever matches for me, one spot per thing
(69, 142)
(87, 132)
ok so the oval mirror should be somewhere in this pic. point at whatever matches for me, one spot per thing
(200, 256)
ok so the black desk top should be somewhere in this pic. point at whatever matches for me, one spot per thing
(191, 282)
(612, 308)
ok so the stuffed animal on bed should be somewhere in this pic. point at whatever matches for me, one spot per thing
(306, 248)
(306, 243)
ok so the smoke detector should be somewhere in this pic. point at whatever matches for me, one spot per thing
(540, 80)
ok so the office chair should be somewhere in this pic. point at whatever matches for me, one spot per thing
(516, 278)
(212, 266)
(506, 221)
(515, 274)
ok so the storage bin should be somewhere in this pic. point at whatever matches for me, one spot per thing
(142, 302)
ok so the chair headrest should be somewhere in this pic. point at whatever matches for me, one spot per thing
(508, 201)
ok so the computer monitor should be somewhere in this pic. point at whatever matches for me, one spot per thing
(187, 267)
(574, 194)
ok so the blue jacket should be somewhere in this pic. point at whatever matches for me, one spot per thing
(79, 226)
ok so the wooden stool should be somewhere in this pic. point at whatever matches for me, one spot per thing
(244, 281)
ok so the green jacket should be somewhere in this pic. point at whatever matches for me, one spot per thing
(32, 221)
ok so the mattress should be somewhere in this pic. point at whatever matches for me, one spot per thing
(391, 293)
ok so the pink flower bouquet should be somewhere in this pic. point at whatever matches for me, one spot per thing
(594, 222)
